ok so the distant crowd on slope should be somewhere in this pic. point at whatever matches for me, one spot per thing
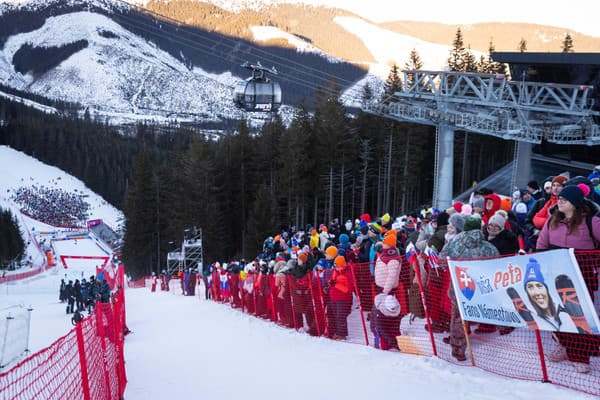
(54, 207)
(302, 275)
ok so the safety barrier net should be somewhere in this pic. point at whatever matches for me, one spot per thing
(309, 304)
(87, 363)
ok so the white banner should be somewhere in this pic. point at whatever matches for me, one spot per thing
(544, 291)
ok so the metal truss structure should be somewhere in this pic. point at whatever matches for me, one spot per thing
(489, 104)
(191, 248)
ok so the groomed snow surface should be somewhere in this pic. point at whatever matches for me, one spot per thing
(186, 347)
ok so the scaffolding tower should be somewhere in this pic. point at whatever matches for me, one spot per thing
(191, 248)
(490, 104)
(174, 262)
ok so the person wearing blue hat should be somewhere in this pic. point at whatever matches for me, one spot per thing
(539, 295)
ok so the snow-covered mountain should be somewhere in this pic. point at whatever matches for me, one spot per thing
(117, 72)
(461, 11)
(123, 64)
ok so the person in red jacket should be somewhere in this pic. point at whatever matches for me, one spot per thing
(340, 297)
(540, 218)
(491, 204)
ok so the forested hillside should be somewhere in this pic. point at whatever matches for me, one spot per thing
(242, 187)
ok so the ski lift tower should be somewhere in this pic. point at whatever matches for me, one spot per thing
(191, 248)
(490, 104)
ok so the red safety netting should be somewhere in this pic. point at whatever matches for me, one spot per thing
(4, 277)
(422, 326)
(87, 363)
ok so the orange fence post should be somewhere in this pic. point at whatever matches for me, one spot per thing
(85, 384)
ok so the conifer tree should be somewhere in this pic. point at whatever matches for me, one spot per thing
(393, 83)
(414, 63)
(470, 62)
(456, 61)
(140, 209)
(522, 45)
(567, 44)
(260, 223)
(12, 246)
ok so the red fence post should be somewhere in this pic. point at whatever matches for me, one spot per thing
(292, 290)
(362, 317)
(82, 362)
(99, 310)
(538, 339)
(417, 268)
(118, 309)
(320, 287)
(314, 303)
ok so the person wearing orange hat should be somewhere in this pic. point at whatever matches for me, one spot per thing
(387, 273)
(340, 298)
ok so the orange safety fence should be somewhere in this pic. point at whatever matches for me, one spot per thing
(87, 363)
(421, 323)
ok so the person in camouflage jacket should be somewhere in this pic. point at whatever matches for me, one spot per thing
(468, 244)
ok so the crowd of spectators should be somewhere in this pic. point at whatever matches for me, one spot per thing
(560, 213)
(54, 207)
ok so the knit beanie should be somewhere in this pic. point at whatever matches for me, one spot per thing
(497, 219)
(471, 223)
(533, 273)
(344, 238)
(466, 210)
(573, 194)
(375, 228)
(390, 238)
(478, 202)
(585, 189)
(302, 258)
(331, 251)
(560, 179)
(458, 221)
(340, 262)
(386, 218)
(442, 219)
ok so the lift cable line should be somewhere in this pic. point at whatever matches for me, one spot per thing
(209, 50)
(489, 104)
(206, 46)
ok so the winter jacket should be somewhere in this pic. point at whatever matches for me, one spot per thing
(540, 218)
(506, 242)
(560, 237)
(439, 238)
(387, 270)
(340, 285)
(365, 249)
(469, 244)
(314, 241)
(487, 214)
(324, 239)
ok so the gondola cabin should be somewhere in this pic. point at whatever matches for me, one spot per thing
(258, 93)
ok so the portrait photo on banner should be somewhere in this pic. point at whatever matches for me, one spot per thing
(544, 291)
